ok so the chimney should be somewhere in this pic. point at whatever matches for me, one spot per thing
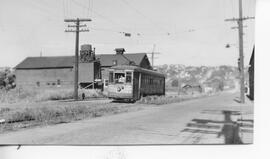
(119, 51)
(94, 54)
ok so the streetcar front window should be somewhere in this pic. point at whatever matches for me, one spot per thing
(119, 77)
(111, 77)
(128, 77)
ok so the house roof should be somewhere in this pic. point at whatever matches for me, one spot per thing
(107, 59)
(68, 61)
(137, 68)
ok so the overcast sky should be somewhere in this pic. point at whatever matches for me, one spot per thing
(189, 32)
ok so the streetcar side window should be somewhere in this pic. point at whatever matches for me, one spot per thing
(111, 77)
(128, 77)
(151, 81)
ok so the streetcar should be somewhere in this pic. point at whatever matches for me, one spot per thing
(128, 82)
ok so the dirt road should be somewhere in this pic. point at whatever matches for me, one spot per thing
(199, 121)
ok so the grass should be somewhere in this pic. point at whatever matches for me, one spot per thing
(38, 95)
(18, 118)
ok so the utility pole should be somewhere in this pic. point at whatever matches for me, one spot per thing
(153, 54)
(241, 50)
(77, 31)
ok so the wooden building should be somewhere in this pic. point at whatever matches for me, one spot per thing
(251, 76)
(58, 71)
(192, 89)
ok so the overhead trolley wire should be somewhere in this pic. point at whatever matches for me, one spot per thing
(144, 16)
(96, 13)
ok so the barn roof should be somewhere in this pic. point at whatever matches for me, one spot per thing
(68, 61)
(46, 62)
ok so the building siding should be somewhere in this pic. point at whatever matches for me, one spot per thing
(251, 76)
(86, 72)
(26, 78)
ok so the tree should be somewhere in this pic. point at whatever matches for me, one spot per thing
(175, 83)
(7, 79)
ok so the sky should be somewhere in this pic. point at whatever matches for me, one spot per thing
(188, 32)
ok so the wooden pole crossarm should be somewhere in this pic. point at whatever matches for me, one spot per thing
(78, 19)
(84, 25)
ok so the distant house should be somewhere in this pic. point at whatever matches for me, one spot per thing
(58, 71)
(251, 75)
(208, 89)
(192, 89)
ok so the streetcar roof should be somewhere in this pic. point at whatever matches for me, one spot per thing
(137, 68)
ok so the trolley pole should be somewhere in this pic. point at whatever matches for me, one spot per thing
(76, 67)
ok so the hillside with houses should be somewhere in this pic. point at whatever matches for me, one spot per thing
(208, 78)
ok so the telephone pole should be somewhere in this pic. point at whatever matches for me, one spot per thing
(77, 31)
(241, 49)
(153, 55)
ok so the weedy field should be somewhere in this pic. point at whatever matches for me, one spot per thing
(49, 113)
(24, 109)
(39, 95)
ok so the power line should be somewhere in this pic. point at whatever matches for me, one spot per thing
(232, 7)
(98, 14)
(143, 15)
(92, 8)
(64, 9)
(88, 10)
(41, 10)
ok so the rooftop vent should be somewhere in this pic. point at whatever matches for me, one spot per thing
(120, 51)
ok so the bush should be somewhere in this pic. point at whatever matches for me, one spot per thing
(160, 100)
(175, 83)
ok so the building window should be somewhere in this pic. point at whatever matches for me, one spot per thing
(48, 83)
(114, 62)
(38, 83)
(53, 83)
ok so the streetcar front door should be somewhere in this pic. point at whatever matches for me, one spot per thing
(136, 86)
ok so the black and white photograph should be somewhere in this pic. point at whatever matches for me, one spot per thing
(127, 72)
